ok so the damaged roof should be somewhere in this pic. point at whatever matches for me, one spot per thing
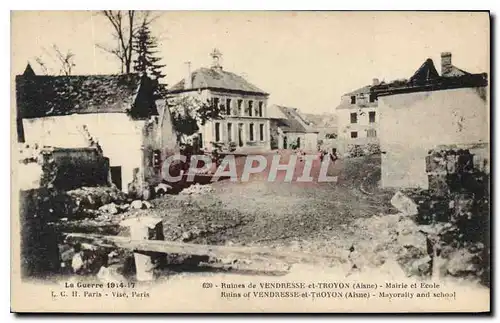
(425, 72)
(364, 89)
(290, 123)
(44, 95)
(426, 78)
(455, 71)
(212, 78)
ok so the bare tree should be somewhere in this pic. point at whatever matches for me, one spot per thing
(42, 65)
(66, 60)
(125, 25)
(63, 61)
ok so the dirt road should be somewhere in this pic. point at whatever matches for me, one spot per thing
(277, 213)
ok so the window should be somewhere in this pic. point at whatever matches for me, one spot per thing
(217, 131)
(250, 108)
(261, 132)
(229, 132)
(251, 132)
(354, 134)
(261, 104)
(373, 97)
(215, 102)
(298, 142)
(240, 134)
(240, 103)
(354, 117)
(372, 133)
(200, 140)
(371, 116)
(228, 107)
(353, 99)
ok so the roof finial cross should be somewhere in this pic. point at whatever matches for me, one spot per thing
(216, 58)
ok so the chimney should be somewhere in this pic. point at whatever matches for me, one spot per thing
(445, 63)
(188, 81)
(375, 82)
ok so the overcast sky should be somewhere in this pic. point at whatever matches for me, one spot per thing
(305, 60)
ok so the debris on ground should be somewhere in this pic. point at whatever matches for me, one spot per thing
(393, 237)
(162, 189)
(95, 197)
(197, 189)
(138, 204)
(110, 208)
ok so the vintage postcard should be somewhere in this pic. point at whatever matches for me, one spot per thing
(250, 161)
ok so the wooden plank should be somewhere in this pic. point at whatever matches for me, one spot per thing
(220, 252)
(88, 226)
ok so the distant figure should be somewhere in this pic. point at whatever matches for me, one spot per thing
(322, 154)
(333, 155)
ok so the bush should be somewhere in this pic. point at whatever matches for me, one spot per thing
(363, 150)
(355, 151)
(372, 149)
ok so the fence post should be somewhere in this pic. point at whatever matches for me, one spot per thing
(144, 228)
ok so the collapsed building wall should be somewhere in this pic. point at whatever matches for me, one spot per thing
(77, 167)
(455, 210)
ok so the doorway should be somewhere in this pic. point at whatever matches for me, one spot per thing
(116, 176)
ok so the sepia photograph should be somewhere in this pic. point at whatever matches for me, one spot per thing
(250, 161)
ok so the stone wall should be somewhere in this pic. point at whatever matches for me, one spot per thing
(75, 167)
(456, 211)
(118, 135)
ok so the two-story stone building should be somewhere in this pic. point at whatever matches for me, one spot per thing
(357, 117)
(245, 122)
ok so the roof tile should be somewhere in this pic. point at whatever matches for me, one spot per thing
(40, 96)
(217, 79)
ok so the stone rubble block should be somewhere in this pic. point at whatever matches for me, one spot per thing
(110, 208)
(404, 204)
(139, 205)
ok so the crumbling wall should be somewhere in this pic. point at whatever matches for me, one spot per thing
(51, 197)
(158, 134)
(455, 211)
(76, 167)
(440, 231)
(39, 253)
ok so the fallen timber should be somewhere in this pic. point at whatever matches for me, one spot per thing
(88, 226)
(219, 252)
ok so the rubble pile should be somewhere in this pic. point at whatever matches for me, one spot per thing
(393, 237)
(94, 201)
(442, 230)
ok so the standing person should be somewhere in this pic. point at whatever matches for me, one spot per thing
(333, 154)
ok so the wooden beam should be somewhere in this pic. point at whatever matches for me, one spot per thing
(220, 252)
(88, 226)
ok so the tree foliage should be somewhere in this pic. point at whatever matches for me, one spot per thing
(125, 25)
(189, 112)
(147, 61)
